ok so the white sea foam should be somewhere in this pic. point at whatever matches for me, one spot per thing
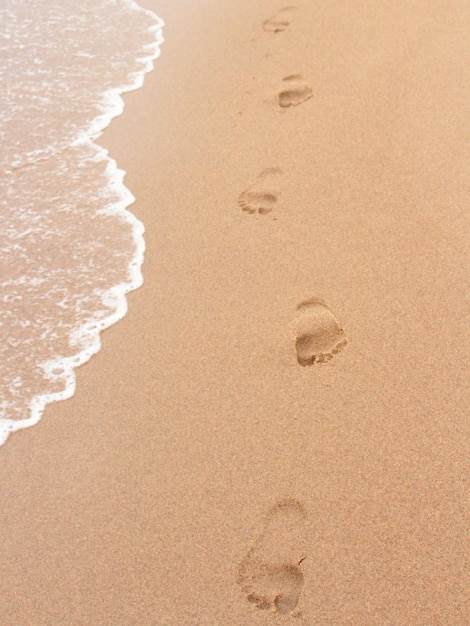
(70, 250)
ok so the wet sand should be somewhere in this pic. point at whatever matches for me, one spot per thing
(276, 432)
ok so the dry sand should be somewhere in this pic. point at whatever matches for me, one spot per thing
(199, 462)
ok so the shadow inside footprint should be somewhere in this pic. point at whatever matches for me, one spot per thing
(319, 335)
(270, 574)
(262, 196)
(279, 22)
(296, 91)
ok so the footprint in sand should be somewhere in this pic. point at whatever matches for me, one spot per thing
(279, 22)
(318, 334)
(295, 91)
(270, 574)
(262, 196)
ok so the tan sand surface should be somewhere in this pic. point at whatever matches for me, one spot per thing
(201, 475)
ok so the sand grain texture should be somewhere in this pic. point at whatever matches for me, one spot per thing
(136, 501)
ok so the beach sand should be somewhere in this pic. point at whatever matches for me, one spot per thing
(201, 474)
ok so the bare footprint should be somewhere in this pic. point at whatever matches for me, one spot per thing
(270, 574)
(295, 91)
(262, 196)
(279, 22)
(318, 334)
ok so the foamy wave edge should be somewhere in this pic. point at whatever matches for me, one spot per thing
(115, 297)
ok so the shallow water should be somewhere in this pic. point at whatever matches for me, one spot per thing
(69, 249)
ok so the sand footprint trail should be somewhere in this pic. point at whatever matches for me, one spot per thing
(318, 333)
(262, 196)
(270, 575)
(279, 22)
(295, 91)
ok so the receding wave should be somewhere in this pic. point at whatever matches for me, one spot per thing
(70, 250)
